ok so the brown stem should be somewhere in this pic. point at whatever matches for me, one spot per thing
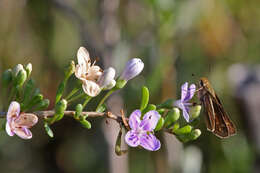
(49, 113)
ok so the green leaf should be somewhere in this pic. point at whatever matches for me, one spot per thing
(7, 77)
(85, 123)
(60, 91)
(48, 130)
(168, 104)
(148, 108)
(145, 98)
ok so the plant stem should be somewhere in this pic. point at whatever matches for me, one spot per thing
(76, 97)
(88, 98)
(104, 98)
(71, 93)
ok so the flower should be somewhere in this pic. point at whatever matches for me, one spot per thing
(87, 73)
(133, 68)
(19, 123)
(106, 80)
(186, 96)
(141, 132)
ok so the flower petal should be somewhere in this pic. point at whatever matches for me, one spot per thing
(134, 119)
(23, 132)
(192, 90)
(132, 139)
(26, 120)
(83, 59)
(187, 93)
(8, 129)
(150, 120)
(13, 111)
(184, 91)
(185, 109)
(150, 142)
(91, 88)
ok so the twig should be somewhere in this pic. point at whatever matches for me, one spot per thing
(49, 113)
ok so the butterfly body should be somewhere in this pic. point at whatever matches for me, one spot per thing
(217, 120)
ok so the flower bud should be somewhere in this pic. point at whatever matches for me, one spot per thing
(195, 111)
(20, 78)
(28, 69)
(106, 80)
(60, 107)
(184, 130)
(85, 123)
(160, 124)
(16, 69)
(6, 77)
(70, 70)
(133, 68)
(43, 104)
(172, 116)
(78, 111)
(195, 134)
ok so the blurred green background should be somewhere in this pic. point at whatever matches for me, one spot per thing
(178, 40)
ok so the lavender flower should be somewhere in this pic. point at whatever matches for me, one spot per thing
(19, 124)
(186, 96)
(133, 68)
(141, 132)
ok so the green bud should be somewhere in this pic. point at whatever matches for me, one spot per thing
(195, 134)
(160, 124)
(120, 83)
(7, 77)
(17, 69)
(148, 108)
(60, 91)
(78, 110)
(70, 70)
(118, 150)
(48, 129)
(168, 104)
(43, 104)
(184, 130)
(161, 111)
(195, 111)
(60, 107)
(85, 123)
(28, 69)
(145, 98)
(20, 78)
(171, 117)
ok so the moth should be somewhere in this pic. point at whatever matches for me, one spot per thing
(217, 120)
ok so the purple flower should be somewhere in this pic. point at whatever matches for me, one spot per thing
(141, 132)
(19, 123)
(133, 68)
(186, 95)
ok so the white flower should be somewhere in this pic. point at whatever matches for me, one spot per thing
(92, 76)
(19, 123)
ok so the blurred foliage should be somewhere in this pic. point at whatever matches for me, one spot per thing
(178, 40)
